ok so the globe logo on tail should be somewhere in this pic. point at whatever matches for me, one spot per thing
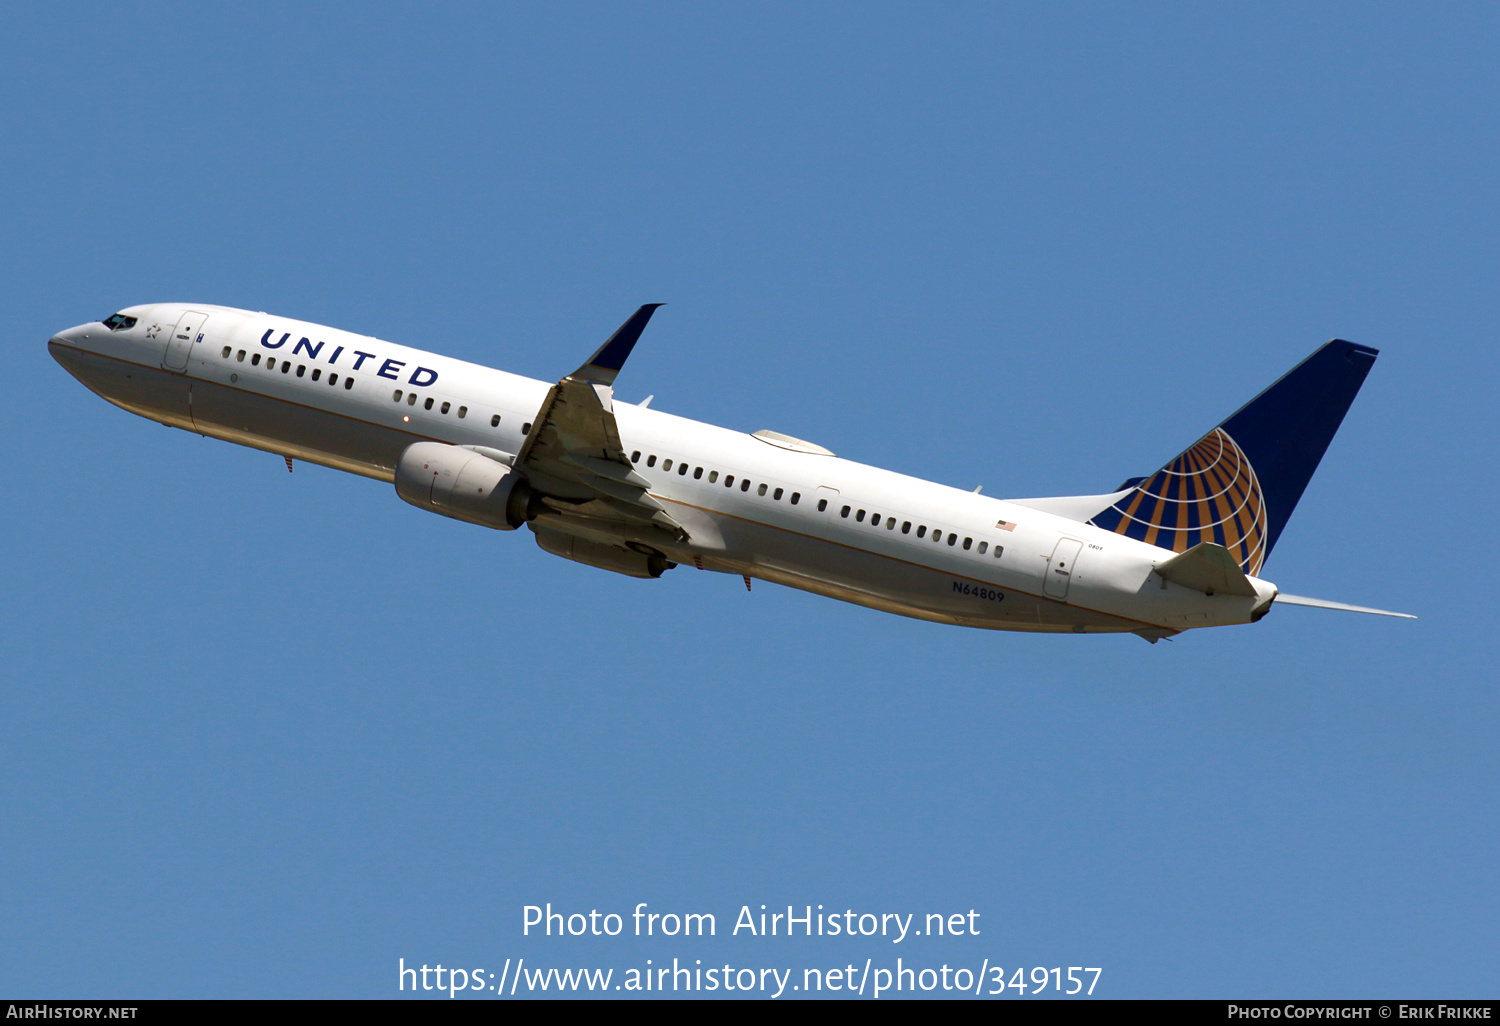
(1208, 494)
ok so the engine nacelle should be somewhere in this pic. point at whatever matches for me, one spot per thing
(607, 557)
(463, 484)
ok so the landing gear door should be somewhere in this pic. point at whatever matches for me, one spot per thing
(1060, 567)
(187, 333)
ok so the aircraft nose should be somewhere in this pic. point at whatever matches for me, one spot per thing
(65, 349)
(59, 348)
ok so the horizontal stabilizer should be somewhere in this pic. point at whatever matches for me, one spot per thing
(1081, 508)
(1299, 600)
(1208, 568)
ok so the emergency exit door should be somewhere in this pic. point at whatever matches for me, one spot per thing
(1060, 567)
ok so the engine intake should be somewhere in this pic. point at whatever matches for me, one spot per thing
(463, 484)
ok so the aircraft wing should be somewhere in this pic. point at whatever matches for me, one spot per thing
(574, 461)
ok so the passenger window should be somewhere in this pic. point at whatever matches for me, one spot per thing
(651, 460)
(967, 543)
(396, 398)
(666, 464)
(286, 365)
(445, 407)
(411, 400)
(999, 551)
(463, 411)
(495, 420)
(906, 527)
(635, 457)
(316, 374)
(860, 516)
(844, 512)
(270, 363)
(682, 469)
(301, 369)
(239, 357)
(795, 497)
(348, 384)
(697, 473)
(983, 546)
(255, 360)
(952, 538)
(761, 490)
(428, 404)
(874, 519)
(226, 352)
(333, 379)
(526, 428)
(745, 485)
(775, 496)
(922, 531)
(713, 477)
(890, 523)
(822, 505)
(728, 480)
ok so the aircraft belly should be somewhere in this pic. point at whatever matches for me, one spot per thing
(242, 416)
(293, 429)
(145, 391)
(895, 585)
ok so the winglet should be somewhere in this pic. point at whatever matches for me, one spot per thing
(606, 363)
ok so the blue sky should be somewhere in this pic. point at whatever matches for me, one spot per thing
(265, 733)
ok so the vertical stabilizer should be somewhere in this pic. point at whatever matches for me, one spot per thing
(1238, 484)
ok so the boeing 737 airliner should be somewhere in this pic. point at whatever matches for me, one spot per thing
(639, 491)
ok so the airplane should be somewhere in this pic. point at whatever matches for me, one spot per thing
(638, 491)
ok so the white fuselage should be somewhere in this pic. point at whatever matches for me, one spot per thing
(333, 400)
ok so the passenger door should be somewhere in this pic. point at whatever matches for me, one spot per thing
(1060, 567)
(189, 332)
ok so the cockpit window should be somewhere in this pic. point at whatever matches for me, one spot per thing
(119, 322)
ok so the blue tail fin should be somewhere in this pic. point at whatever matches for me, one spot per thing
(1239, 484)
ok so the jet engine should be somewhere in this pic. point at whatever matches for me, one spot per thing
(607, 557)
(464, 484)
